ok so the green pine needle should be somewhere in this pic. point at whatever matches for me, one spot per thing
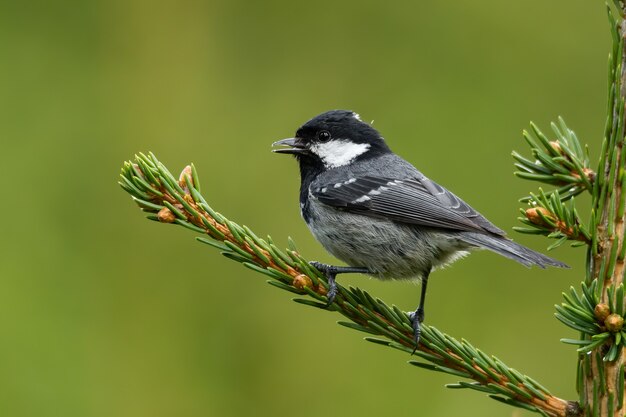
(169, 200)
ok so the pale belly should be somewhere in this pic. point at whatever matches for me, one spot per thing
(390, 250)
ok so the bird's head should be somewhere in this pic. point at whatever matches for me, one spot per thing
(333, 139)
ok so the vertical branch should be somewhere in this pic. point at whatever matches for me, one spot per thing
(601, 375)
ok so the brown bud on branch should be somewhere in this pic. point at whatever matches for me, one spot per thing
(165, 215)
(538, 215)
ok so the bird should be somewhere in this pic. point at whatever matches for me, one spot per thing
(377, 213)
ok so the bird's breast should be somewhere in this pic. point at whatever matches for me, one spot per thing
(389, 249)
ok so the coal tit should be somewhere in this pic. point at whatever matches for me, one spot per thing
(379, 214)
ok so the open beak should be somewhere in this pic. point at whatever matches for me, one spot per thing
(294, 146)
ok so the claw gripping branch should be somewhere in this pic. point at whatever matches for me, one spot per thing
(179, 201)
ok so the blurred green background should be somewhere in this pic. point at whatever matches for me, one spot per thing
(103, 313)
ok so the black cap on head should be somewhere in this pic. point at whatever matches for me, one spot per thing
(332, 139)
(341, 124)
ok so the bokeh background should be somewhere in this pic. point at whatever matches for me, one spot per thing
(103, 313)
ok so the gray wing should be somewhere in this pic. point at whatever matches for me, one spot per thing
(416, 200)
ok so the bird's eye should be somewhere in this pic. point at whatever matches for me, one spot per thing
(323, 136)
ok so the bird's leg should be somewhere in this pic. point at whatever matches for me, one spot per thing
(331, 272)
(418, 316)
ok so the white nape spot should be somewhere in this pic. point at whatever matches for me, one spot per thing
(338, 185)
(338, 152)
(356, 116)
(362, 199)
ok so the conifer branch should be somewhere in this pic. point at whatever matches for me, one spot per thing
(561, 162)
(598, 311)
(601, 370)
(551, 217)
(179, 201)
(601, 324)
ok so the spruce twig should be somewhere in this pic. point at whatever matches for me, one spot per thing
(597, 312)
(179, 201)
(551, 217)
(601, 370)
(560, 162)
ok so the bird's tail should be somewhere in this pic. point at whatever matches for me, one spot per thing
(505, 247)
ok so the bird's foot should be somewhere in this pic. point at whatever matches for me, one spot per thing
(417, 318)
(331, 272)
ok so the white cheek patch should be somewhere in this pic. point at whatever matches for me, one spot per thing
(339, 152)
